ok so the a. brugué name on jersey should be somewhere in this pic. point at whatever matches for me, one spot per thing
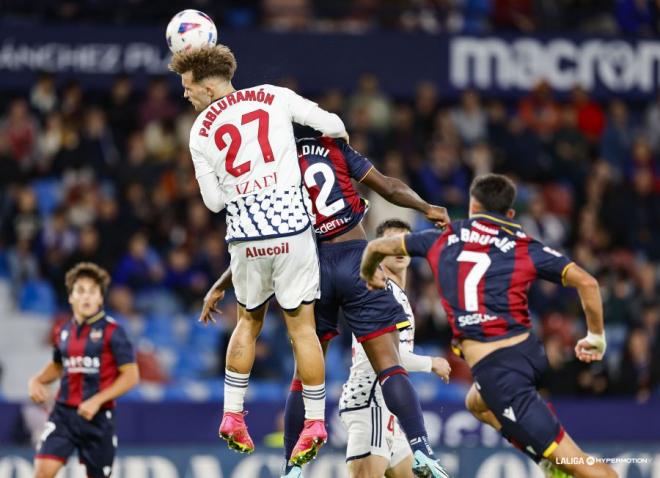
(483, 268)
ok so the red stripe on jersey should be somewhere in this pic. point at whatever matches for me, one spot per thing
(523, 274)
(433, 258)
(491, 328)
(342, 174)
(464, 268)
(76, 349)
(108, 369)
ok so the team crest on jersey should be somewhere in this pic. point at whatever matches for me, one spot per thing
(64, 335)
(96, 335)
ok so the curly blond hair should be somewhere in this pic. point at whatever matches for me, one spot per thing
(89, 270)
(205, 62)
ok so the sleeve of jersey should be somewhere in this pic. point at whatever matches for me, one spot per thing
(308, 113)
(209, 185)
(358, 165)
(550, 264)
(121, 348)
(415, 363)
(418, 244)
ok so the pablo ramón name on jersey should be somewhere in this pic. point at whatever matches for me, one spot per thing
(245, 159)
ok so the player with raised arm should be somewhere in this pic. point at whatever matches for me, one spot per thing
(376, 444)
(374, 317)
(483, 267)
(245, 159)
(95, 364)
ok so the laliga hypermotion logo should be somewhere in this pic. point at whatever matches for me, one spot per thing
(187, 26)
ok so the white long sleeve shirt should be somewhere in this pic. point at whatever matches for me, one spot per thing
(245, 159)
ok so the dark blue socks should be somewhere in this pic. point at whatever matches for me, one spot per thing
(401, 399)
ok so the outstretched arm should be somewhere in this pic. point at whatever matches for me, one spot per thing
(374, 253)
(593, 346)
(215, 294)
(399, 193)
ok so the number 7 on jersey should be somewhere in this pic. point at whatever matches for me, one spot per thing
(481, 262)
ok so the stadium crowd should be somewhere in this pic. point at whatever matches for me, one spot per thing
(107, 177)
(597, 17)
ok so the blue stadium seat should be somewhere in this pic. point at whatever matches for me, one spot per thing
(38, 297)
(48, 193)
(4, 266)
(159, 330)
(200, 335)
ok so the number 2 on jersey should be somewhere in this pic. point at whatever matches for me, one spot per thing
(481, 262)
(321, 201)
(263, 119)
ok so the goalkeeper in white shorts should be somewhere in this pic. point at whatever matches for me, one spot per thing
(377, 446)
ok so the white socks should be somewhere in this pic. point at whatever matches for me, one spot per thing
(235, 388)
(314, 399)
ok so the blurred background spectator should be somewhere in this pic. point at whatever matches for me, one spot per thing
(107, 176)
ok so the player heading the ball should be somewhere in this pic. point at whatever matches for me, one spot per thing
(245, 159)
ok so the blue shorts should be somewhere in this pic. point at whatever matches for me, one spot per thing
(95, 440)
(367, 313)
(507, 380)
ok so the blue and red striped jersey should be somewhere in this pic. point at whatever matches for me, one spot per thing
(90, 354)
(327, 166)
(483, 267)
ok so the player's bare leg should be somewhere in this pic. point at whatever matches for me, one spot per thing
(568, 452)
(476, 405)
(403, 469)
(402, 400)
(46, 467)
(372, 466)
(311, 369)
(239, 362)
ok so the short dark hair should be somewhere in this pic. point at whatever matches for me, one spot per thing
(494, 192)
(205, 62)
(89, 270)
(392, 224)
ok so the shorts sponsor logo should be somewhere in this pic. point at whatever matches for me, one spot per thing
(255, 251)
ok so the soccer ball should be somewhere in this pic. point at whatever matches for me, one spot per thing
(190, 29)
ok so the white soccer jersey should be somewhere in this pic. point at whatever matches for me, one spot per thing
(361, 387)
(245, 159)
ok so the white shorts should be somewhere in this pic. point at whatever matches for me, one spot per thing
(287, 267)
(375, 431)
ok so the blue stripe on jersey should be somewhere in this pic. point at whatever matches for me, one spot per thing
(94, 349)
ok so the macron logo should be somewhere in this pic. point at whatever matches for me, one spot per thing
(508, 413)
